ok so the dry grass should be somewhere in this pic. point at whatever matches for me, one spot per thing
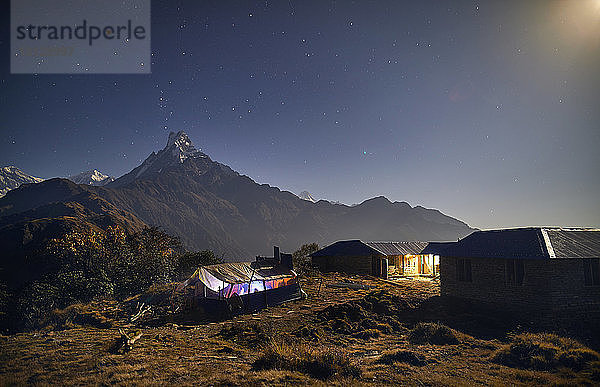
(545, 351)
(432, 333)
(310, 342)
(319, 363)
(402, 356)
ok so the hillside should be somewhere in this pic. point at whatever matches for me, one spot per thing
(380, 335)
(35, 213)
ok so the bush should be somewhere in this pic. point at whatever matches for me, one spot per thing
(401, 356)
(351, 311)
(318, 363)
(545, 351)
(36, 300)
(84, 265)
(432, 333)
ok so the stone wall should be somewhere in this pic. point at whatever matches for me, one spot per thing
(489, 284)
(344, 264)
(571, 298)
(553, 287)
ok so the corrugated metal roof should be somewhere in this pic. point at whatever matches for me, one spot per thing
(346, 248)
(359, 248)
(398, 248)
(568, 243)
(528, 243)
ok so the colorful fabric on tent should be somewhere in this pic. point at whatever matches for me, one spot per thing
(240, 278)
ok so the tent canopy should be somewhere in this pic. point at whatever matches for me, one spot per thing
(220, 276)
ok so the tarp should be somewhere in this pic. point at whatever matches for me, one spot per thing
(221, 276)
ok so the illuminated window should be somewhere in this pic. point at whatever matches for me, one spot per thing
(591, 272)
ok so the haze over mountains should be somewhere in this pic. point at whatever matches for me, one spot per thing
(210, 206)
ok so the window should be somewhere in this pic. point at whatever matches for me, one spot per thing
(463, 270)
(515, 272)
(591, 272)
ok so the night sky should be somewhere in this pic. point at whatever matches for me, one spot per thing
(488, 111)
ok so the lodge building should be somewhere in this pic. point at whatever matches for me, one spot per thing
(380, 259)
(548, 271)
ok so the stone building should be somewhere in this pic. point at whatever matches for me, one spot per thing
(376, 258)
(547, 271)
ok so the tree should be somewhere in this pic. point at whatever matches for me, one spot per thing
(188, 262)
(301, 256)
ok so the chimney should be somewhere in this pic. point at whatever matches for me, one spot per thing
(276, 254)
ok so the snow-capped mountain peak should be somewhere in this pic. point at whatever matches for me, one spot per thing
(305, 195)
(91, 177)
(181, 147)
(12, 177)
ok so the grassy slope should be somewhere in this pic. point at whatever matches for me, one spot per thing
(224, 352)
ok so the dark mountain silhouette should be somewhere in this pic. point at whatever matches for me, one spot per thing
(210, 206)
(33, 214)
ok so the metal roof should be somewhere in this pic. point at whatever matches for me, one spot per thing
(359, 248)
(346, 248)
(529, 243)
(398, 248)
(574, 243)
(436, 248)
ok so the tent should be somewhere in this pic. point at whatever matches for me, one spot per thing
(241, 286)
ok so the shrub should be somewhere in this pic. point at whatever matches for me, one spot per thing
(35, 302)
(83, 265)
(432, 333)
(402, 357)
(351, 311)
(317, 363)
(544, 351)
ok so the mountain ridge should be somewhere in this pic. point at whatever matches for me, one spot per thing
(210, 206)
(12, 177)
(91, 177)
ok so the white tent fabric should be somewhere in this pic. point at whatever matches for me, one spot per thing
(220, 276)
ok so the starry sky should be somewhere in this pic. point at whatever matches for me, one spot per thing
(486, 110)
